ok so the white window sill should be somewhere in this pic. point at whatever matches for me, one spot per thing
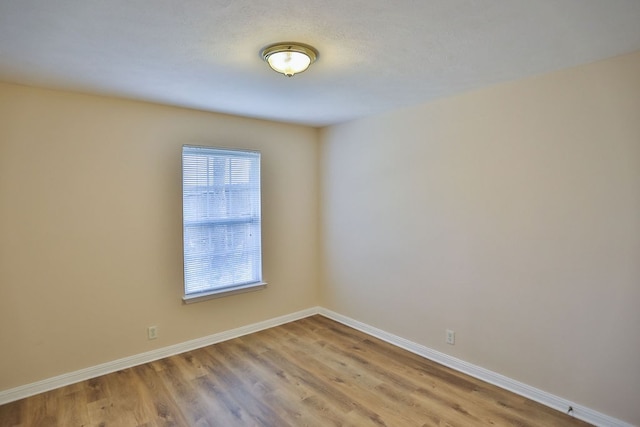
(219, 293)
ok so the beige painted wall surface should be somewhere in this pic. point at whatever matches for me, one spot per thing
(510, 215)
(91, 237)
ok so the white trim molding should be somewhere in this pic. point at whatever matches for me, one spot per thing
(27, 390)
(547, 399)
(558, 403)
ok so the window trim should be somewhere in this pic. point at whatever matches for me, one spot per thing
(223, 292)
(232, 289)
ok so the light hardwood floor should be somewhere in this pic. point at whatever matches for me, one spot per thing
(311, 372)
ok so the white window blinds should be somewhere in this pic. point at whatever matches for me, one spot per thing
(221, 220)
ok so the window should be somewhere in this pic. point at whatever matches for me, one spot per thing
(221, 222)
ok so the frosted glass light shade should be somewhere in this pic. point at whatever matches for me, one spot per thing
(289, 63)
(289, 58)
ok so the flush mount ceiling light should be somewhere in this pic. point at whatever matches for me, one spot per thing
(289, 58)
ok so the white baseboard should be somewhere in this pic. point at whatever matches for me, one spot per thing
(580, 412)
(27, 390)
(547, 399)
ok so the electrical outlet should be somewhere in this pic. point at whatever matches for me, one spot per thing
(152, 332)
(451, 337)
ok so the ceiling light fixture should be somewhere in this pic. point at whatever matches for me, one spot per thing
(289, 58)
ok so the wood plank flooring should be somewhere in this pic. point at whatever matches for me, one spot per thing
(311, 372)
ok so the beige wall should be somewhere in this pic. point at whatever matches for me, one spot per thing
(511, 215)
(90, 226)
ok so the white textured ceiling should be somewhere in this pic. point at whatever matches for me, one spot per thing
(375, 55)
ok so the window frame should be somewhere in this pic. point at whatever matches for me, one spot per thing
(209, 223)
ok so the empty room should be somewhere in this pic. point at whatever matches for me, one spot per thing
(320, 213)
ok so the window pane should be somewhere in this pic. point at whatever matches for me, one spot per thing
(221, 219)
